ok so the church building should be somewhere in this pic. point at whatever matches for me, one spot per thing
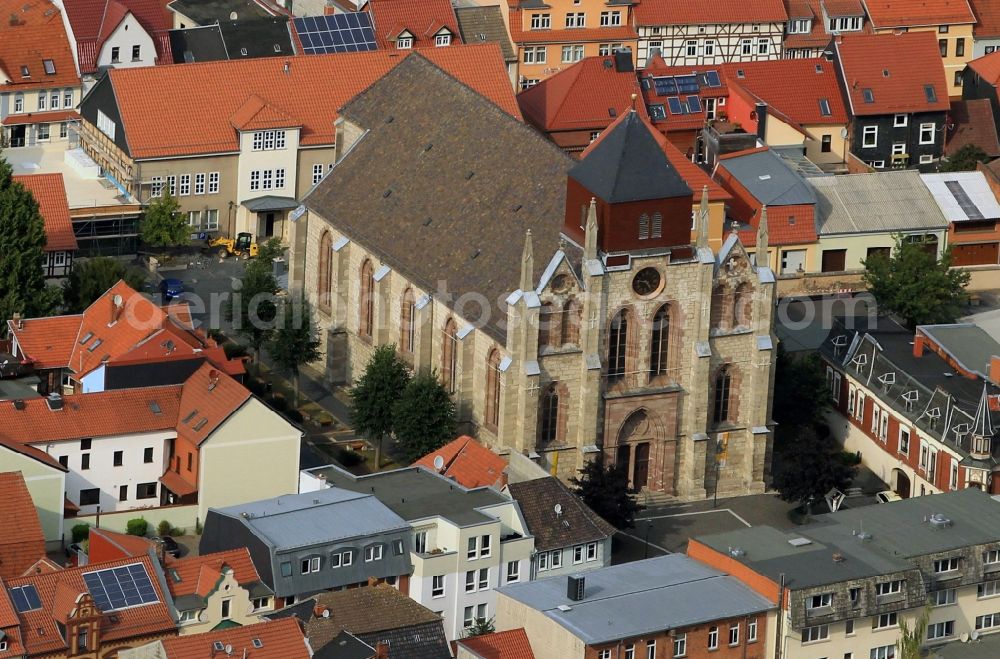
(573, 308)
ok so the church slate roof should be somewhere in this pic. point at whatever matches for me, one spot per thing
(446, 191)
(626, 164)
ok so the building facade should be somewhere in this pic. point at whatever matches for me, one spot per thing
(690, 33)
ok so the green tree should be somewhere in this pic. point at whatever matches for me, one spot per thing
(91, 278)
(376, 391)
(294, 341)
(163, 225)
(605, 489)
(22, 244)
(423, 419)
(915, 284)
(807, 465)
(912, 638)
(252, 309)
(270, 250)
(480, 626)
(800, 391)
(964, 160)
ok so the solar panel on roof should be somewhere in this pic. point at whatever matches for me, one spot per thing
(675, 105)
(665, 86)
(657, 111)
(121, 587)
(25, 598)
(687, 84)
(712, 77)
(336, 33)
(694, 104)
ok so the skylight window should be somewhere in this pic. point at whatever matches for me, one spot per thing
(24, 71)
(930, 93)
(824, 107)
(95, 345)
(50, 66)
(868, 94)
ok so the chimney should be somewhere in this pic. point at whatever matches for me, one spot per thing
(382, 650)
(918, 345)
(287, 68)
(18, 321)
(54, 401)
(575, 587)
(213, 379)
(761, 109)
(320, 611)
(623, 61)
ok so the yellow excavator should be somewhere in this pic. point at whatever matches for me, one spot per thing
(243, 246)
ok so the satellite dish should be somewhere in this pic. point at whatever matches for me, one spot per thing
(843, 133)
(558, 508)
(964, 637)
(232, 16)
(438, 462)
(229, 649)
(117, 299)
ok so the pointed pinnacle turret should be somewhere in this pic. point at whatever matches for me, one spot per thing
(762, 260)
(527, 264)
(703, 218)
(590, 235)
(983, 424)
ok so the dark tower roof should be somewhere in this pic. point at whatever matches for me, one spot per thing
(628, 164)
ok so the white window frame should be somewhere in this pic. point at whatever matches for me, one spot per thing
(930, 130)
(156, 186)
(944, 597)
(266, 179)
(317, 173)
(513, 571)
(709, 48)
(555, 558)
(577, 554)
(279, 178)
(213, 182)
(987, 621)
(900, 120)
(941, 629)
(888, 588)
(885, 620)
(373, 553)
(815, 634)
(572, 53)
(437, 586)
(713, 638)
(172, 185)
(535, 54)
(946, 565)
(404, 43)
(43, 98)
(903, 433)
(541, 21)
(752, 631)
(611, 18)
(311, 565)
(680, 645)
(987, 589)
(869, 137)
(591, 551)
(472, 552)
(18, 103)
(734, 635)
(199, 183)
(442, 40)
(485, 546)
(185, 185)
(543, 561)
(576, 19)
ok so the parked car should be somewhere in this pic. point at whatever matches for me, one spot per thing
(170, 545)
(171, 289)
(887, 496)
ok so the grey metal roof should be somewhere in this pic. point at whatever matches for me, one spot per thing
(640, 598)
(968, 344)
(415, 493)
(897, 531)
(302, 520)
(963, 196)
(627, 164)
(875, 203)
(269, 203)
(985, 647)
(770, 179)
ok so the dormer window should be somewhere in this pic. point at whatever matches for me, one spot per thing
(799, 26)
(404, 43)
(24, 71)
(50, 66)
(442, 40)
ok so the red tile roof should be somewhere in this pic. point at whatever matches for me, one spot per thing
(50, 193)
(585, 96)
(971, 122)
(200, 574)
(224, 87)
(276, 638)
(40, 117)
(896, 67)
(917, 13)
(107, 545)
(511, 644)
(31, 452)
(698, 12)
(37, 35)
(421, 18)
(47, 342)
(786, 225)
(209, 398)
(987, 18)
(144, 331)
(519, 35)
(815, 79)
(467, 462)
(22, 542)
(987, 67)
(59, 591)
(93, 21)
(257, 114)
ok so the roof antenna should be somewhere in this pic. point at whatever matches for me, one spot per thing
(634, 96)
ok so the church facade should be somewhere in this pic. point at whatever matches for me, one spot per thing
(573, 319)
